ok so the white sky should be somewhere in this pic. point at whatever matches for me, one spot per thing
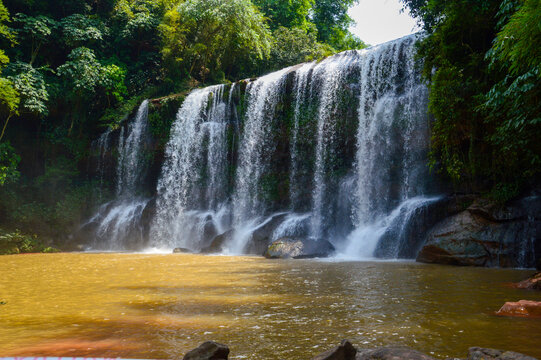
(379, 21)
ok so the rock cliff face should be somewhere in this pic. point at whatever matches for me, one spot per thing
(486, 234)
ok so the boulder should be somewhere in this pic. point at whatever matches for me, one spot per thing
(287, 248)
(412, 230)
(209, 232)
(477, 353)
(209, 350)
(262, 235)
(217, 244)
(531, 283)
(391, 353)
(522, 308)
(344, 351)
(181, 251)
(485, 235)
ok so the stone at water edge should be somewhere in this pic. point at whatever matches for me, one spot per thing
(486, 235)
(522, 308)
(477, 353)
(289, 248)
(531, 283)
(217, 244)
(181, 251)
(344, 351)
(208, 350)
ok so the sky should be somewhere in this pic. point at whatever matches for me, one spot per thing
(379, 21)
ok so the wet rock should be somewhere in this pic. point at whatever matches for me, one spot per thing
(209, 231)
(287, 248)
(218, 243)
(522, 308)
(344, 351)
(262, 235)
(477, 353)
(181, 251)
(391, 353)
(209, 350)
(486, 235)
(414, 231)
(531, 283)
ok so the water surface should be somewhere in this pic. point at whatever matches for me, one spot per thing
(160, 306)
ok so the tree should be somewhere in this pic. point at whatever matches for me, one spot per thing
(34, 31)
(288, 14)
(84, 75)
(513, 105)
(30, 83)
(293, 46)
(9, 96)
(332, 22)
(81, 30)
(201, 37)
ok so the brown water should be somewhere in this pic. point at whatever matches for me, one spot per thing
(160, 306)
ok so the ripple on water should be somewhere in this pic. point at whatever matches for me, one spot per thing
(160, 306)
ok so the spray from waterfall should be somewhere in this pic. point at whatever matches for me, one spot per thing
(116, 225)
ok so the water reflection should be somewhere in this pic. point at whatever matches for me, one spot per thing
(160, 306)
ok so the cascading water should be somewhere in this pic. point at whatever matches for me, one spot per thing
(345, 140)
(392, 140)
(117, 224)
(262, 97)
(191, 201)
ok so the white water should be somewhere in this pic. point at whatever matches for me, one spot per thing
(199, 196)
(331, 75)
(262, 97)
(117, 223)
(192, 187)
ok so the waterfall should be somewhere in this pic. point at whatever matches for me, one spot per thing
(333, 150)
(117, 224)
(392, 139)
(331, 73)
(103, 145)
(130, 167)
(301, 97)
(192, 187)
(262, 97)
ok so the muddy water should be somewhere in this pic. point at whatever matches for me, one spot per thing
(160, 306)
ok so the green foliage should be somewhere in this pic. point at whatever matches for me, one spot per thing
(482, 59)
(30, 83)
(289, 14)
(9, 161)
(332, 22)
(201, 36)
(34, 31)
(512, 106)
(81, 30)
(294, 45)
(82, 71)
(18, 243)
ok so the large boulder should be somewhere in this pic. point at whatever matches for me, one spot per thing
(288, 248)
(522, 308)
(391, 353)
(209, 350)
(412, 226)
(486, 234)
(344, 351)
(477, 353)
(218, 243)
(262, 235)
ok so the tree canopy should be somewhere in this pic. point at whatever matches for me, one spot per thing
(482, 60)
